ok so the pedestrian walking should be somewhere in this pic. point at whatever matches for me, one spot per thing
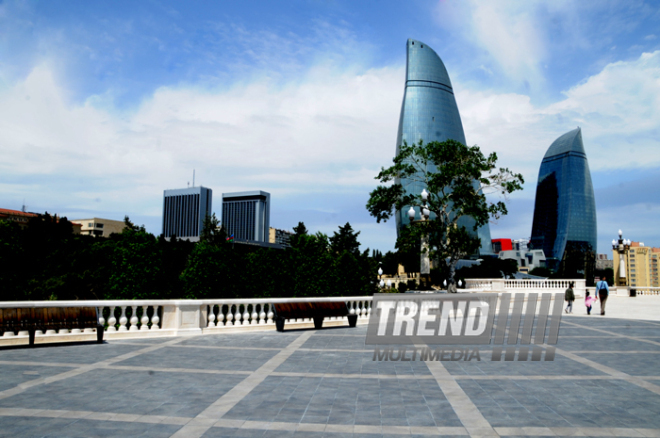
(589, 301)
(603, 291)
(569, 296)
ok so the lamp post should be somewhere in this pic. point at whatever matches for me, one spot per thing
(425, 262)
(380, 274)
(621, 247)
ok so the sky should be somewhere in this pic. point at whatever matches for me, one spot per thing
(105, 104)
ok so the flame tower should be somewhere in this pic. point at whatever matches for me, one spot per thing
(429, 113)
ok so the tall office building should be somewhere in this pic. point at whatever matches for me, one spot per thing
(429, 113)
(246, 215)
(564, 224)
(184, 211)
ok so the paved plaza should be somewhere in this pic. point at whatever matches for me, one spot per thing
(604, 381)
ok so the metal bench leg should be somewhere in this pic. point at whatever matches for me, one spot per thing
(99, 334)
(318, 322)
(352, 320)
(31, 332)
(279, 324)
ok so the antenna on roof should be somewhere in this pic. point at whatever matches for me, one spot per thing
(23, 208)
(193, 177)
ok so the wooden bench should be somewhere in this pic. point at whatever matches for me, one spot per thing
(315, 310)
(49, 319)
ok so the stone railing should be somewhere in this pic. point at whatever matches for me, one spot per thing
(644, 290)
(523, 286)
(152, 318)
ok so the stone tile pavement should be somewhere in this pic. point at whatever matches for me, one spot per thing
(605, 381)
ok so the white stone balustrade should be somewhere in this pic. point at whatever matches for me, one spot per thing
(523, 286)
(149, 318)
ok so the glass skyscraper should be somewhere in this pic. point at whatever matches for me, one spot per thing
(184, 211)
(429, 113)
(246, 215)
(564, 225)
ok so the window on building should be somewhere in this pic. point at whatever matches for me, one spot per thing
(99, 225)
(90, 225)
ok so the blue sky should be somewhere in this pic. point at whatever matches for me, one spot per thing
(103, 105)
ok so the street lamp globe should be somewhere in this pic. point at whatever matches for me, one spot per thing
(411, 213)
(620, 233)
(382, 283)
(425, 195)
(380, 271)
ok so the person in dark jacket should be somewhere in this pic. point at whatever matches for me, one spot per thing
(569, 296)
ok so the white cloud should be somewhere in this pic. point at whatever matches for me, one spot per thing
(616, 109)
(327, 132)
(510, 32)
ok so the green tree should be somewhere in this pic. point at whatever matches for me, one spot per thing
(457, 179)
(212, 232)
(345, 240)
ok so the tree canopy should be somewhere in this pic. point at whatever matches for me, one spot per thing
(457, 179)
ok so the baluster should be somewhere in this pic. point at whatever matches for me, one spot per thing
(155, 319)
(221, 316)
(254, 315)
(262, 314)
(123, 320)
(246, 316)
(211, 317)
(134, 319)
(230, 314)
(112, 321)
(145, 319)
(270, 314)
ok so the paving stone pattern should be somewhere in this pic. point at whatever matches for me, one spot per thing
(605, 381)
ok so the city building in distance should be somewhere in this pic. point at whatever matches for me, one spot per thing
(429, 113)
(281, 237)
(184, 211)
(21, 217)
(246, 215)
(99, 227)
(564, 224)
(501, 245)
(641, 264)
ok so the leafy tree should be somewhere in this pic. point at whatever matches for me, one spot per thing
(211, 273)
(457, 179)
(345, 240)
(490, 267)
(212, 232)
(541, 272)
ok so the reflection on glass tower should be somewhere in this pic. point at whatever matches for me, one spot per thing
(429, 113)
(564, 223)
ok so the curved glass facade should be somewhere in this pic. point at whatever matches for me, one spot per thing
(429, 113)
(564, 223)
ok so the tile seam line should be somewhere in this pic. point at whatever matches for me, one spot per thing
(256, 425)
(464, 408)
(640, 382)
(81, 369)
(199, 425)
(618, 335)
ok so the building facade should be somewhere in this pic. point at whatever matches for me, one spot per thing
(501, 245)
(275, 235)
(184, 211)
(641, 263)
(564, 224)
(99, 227)
(246, 215)
(429, 113)
(526, 259)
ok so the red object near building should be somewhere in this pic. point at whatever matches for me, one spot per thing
(501, 245)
